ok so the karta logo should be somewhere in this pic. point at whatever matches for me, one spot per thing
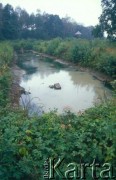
(58, 168)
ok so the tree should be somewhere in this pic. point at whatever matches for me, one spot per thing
(108, 18)
(24, 23)
(40, 31)
(97, 31)
(1, 23)
(19, 23)
(53, 25)
(10, 23)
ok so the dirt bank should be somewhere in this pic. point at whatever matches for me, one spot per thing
(16, 89)
(96, 74)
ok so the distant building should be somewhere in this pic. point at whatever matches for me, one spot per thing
(78, 34)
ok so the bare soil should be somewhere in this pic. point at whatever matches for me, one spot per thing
(15, 92)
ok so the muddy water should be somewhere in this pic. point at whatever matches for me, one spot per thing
(79, 90)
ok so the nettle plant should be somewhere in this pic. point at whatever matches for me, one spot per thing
(25, 143)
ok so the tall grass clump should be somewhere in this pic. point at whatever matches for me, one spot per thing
(6, 57)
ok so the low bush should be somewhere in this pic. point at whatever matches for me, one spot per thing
(98, 54)
(25, 143)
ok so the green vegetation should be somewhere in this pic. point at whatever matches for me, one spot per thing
(97, 54)
(108, 18)
(6, 56)
(18, 23)
(107, 21)
(26, 142)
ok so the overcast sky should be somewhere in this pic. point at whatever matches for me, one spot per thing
(85, 12)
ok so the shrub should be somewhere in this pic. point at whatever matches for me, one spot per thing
(23, 44)
(6, 56)
(52, 45)
(25, 143)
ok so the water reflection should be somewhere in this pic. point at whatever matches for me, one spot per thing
(79, 90)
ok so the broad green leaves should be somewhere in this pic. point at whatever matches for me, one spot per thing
(28, 142)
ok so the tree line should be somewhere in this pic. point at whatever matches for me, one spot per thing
(18, 23)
